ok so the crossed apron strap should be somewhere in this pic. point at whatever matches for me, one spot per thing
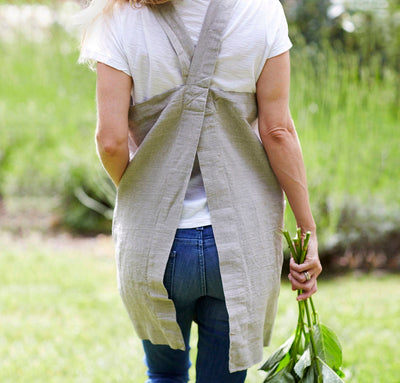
(197, 64)
(177, 35)
(186, 135)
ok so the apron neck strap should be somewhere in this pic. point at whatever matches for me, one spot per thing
(197, 64)
(177, 34)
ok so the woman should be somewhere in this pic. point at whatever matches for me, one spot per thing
(200, 204)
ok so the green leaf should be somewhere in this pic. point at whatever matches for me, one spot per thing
(284, 362)
(340, 373)
(328, 346)
(279, 354)
(303, 363)
(283, 376)
(309, 376)
(329, 375)
(279, 366)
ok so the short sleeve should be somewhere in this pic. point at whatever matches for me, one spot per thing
(104, 43)
(277, 35)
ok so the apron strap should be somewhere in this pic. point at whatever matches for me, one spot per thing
(197, 64)
(177, 34)
(209, 44)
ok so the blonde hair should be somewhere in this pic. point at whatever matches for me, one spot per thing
(139, 3)
(85, 19)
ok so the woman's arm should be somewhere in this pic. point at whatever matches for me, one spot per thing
(113, 99)
(279, 137)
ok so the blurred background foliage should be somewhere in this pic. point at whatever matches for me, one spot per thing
(345, 99)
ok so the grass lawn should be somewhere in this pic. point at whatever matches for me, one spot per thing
(61, 318)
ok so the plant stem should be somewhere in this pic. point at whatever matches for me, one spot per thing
(298, 334)
(305, 247)
(313, 345)
(314, 311)
(299, 245)
(290, 244)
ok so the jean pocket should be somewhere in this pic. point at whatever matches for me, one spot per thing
(169, 274)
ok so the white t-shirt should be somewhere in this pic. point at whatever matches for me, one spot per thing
(131, 40)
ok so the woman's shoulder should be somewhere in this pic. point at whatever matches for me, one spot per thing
(123, 23)
(127, 17)
(256, 9)
(260, 7)
(121, 12)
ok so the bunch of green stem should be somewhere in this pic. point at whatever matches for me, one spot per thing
(304, 329)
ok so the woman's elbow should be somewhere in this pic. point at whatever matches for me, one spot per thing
(110, 143)
(279, 132)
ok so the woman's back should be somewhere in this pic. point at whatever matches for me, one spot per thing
(133, 41)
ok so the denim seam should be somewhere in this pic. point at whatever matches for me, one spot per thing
(173, 262)
(202, 263)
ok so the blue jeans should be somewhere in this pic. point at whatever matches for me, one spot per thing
(193, 281)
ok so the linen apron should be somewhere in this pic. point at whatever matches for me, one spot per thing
(195, 122)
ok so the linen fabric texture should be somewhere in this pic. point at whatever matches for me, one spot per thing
(172, 129)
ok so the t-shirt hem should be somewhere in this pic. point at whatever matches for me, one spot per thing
(96, 56)
(191, 224)
(273, 53)
(279, 50)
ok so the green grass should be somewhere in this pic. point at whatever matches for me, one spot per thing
(62, 319)
(347, 126)
(47, 112)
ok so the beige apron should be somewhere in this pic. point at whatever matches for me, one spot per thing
(244, 198)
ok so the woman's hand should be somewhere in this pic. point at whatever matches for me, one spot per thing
(304, 276)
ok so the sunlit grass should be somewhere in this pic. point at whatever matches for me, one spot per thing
(347, 126)
(47, 113)
(62, 319)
